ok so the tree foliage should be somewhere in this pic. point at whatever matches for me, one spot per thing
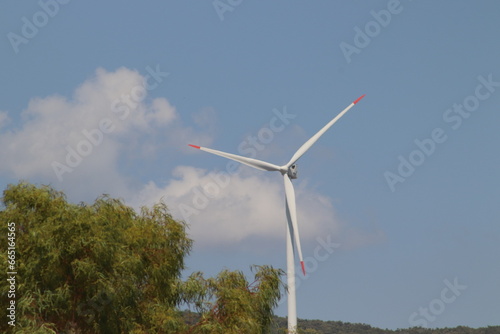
(229, 304)
(339, 327)
(103, 268)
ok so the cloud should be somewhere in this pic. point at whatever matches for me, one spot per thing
(163, 113)
(226, 209)
(65, 140)
(243, 207)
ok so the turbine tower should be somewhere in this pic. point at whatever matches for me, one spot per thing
(289, 172)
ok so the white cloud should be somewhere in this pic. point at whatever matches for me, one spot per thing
(108, 118)
(224, 209)
(163, 112)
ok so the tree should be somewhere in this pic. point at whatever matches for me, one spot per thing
(229, 304)
(103, 268)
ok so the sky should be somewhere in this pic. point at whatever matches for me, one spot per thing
(397, 203)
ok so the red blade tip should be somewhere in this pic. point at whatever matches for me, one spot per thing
(359, 99)
(303, 267)
(194, 146)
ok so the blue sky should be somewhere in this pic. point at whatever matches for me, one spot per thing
(397, 202)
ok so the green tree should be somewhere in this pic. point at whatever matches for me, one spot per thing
(103, 268)
(230, 304)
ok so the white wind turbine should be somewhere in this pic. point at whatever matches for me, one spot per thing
(289, 172)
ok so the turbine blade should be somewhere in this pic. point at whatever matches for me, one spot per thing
(291, 211)
(307, 145)
(262, 165)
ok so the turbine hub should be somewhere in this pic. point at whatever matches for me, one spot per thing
(292, 171)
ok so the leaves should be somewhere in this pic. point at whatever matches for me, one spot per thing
(91, 264)
(229, 304)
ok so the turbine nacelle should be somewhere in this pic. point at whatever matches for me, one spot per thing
(293, 171)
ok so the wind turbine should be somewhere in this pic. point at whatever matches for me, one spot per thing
(289, 172)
